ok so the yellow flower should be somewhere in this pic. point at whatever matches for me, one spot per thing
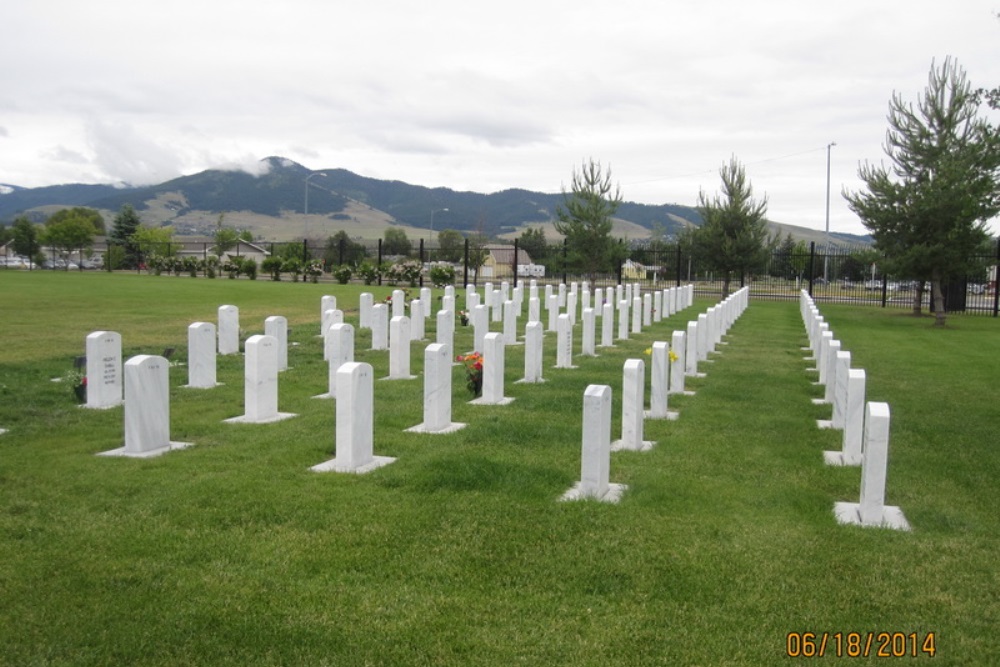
(649, 351)
(673, 356)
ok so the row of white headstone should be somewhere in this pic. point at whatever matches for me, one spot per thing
(597, 445)
(865, 425)
(266, 355)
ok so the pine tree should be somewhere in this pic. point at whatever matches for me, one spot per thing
(928, 213)
(585, 219)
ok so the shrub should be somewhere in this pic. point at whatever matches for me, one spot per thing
(342, 274)
(249, 268)
(273, 266)
(442, 274)
(293, 266)
(368, 272)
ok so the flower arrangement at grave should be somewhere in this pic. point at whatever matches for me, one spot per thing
(473, 371)
(463, 317)
(672, 355)
(78, 381)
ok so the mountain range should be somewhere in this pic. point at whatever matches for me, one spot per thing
(274, 204)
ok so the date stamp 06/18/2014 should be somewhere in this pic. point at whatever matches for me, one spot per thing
(860, 644)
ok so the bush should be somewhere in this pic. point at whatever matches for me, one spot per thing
(292, 266)
(405, 272)
(249, 268)
(314, 269)
(191, 264)
(442, 274)
(273, 266)
(368, 272)
(342, 274)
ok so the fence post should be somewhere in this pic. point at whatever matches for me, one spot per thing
(996, 282)
(465, 265)
(679, 259)
(565, 249)
(515, 262)
(379, 266)
(812, 264)
(421, 262)
(305, 252)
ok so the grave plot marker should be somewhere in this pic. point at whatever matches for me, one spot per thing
(260, 383)
(493, 370)
(872, 510)
(533, 336)
(201, 356)
(339, 350)
(437, 392)
(229, 330)
(147, 409)
(633, 400)
(659, 382)
(595, 458)
(354, 434)
(854, 423)
(104, 370)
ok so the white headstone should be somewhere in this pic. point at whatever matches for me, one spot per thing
(276, 326)
(552, 304)
(417, 324)
(534, 310)
(623, 320)
(659, 376)
(445, 334)
(380, 327)
(607, 325)
(510, 323)
(201, 355)
(691, 350)
(229, 330)
(647, 310)
(636, 315)
(564, 342)
(399, 349)
(493, 372)
(589, 333)
(326, 302)
(533, 335)
(330, 318)
(147, 408)
(437, 392)
(339, 350)
(480, 327)
(425, 300)
(677, 345)
(595, 459)
(365, 306)
(354, 445)
(872, 510)
(260, 382)
(854, 422)
(104, 369)
(633, 400)
(658, 306)
(398, 303)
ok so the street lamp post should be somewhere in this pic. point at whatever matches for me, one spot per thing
(305, 205)
(433, 211)
(826, 257)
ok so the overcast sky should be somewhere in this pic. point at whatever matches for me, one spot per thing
(450, 93)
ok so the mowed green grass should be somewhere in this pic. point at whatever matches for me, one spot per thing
(233, 553)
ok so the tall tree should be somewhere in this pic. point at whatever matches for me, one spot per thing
(533, 242)
(68, 232)
(123, 228)
(585, 218)
(92, 215)
(25, 240)
(478, 252)
(929, 212)
(396, 242)
(342, 249)
(451, 245)
(733, 235)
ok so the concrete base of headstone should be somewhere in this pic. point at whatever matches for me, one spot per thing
(450, 428)
(523, 381)
(400, 377)
(506, 400)
(2, 431)
(101, 407)
(622, 446)
(820, 401)
(613, 494)
(147, 454)
(850, 514)
(670, 416)
(326, 395)
(187, 386)
(824, 424)
(839, 459)
(570, 367)
(334, 466)
(243, 419)
(695, 375)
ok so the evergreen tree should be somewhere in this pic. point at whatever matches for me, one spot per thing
(928, 213)
(585, 219)
(123, 228)
(733, 236)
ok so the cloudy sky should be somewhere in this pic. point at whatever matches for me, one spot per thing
(450, 93)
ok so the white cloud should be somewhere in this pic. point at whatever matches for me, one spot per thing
(448, 93)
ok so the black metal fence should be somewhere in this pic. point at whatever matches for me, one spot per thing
(840, 275)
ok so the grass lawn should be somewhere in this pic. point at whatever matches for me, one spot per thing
(233, 553)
